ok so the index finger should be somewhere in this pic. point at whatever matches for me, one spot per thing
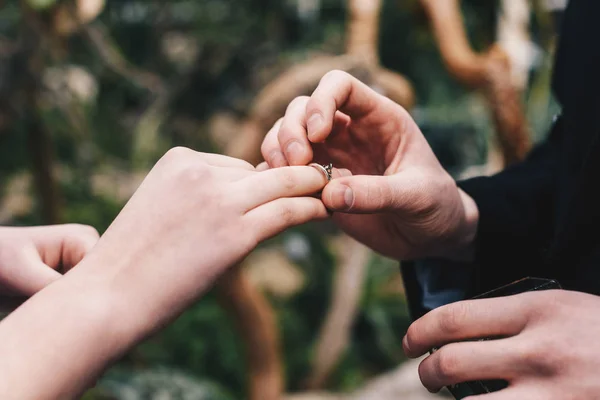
(467, 320)
(337, 90)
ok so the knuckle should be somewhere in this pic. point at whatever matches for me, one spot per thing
(288, 179)
(539, 305)
(452, 317)
(380, 194)
(287, 215)
(286, 134)
(298, 102)
(446, 365)
(194, 173)
(426, 198)
(336, 75)
(85, 230)
(291, 130)
(528, 352)
(177, 153)
(309, 211)
(539, 355)
(317, 208)
(553, 301)
(190, 171)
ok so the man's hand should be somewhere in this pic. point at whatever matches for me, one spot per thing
(408, 206)
(31, 258)
(548, 348)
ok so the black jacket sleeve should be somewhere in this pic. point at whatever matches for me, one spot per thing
(514, 229)
(515, 215)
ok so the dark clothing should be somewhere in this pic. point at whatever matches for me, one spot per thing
(541, 217)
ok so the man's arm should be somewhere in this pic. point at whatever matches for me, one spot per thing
(515, 206)
(512, 226)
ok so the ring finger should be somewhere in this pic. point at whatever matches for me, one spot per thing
(272, 184)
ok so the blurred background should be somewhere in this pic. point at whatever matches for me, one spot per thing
(93, 92)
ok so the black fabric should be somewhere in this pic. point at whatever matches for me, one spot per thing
(541, 217)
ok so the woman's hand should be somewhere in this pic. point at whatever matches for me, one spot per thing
(194, 216)
(31, 258)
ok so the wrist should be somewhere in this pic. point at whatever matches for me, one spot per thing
(103, 307)
(82, 336)
(463, 249)
(145, 293)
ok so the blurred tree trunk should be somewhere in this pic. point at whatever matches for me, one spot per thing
(46, 185)
(514, 38)
(255, 320)
(362, 34)
(39, 140)
(334, 336)
(490, 72)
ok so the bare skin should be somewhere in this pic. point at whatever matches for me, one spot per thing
(31, 256)
(194, 216)
(399, 201)
(549, 350)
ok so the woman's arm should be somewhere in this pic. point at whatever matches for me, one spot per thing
(193, 217)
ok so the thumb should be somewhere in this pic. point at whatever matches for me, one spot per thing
(360, 194)
(364, 194)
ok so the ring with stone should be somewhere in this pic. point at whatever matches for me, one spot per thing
(327, 170)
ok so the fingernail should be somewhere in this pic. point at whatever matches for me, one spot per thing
(314, 123)
(263, 166)
(405, 344)
(293, 151)
(344, 172)
(342, 197)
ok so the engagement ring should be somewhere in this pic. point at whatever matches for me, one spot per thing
(325, 169)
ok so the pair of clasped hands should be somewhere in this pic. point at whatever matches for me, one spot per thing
(196, 215)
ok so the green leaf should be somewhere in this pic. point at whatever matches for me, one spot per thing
(41, 4)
